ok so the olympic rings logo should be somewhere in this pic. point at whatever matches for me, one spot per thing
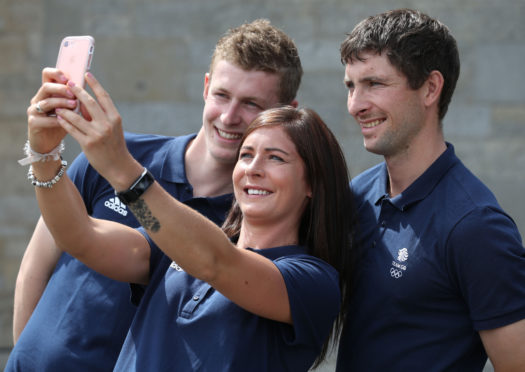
(396, 273)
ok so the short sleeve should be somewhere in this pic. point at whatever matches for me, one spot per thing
(156, 255)
(314, 295)
(77, 168)
(487, 258)
(87, 180)
(77, 171)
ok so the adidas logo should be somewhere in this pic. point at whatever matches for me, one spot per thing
(116, 205)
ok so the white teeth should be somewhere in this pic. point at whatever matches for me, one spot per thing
(257, 192)
(230, 136)
(372, 123)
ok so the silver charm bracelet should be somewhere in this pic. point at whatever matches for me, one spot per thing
(47, 184)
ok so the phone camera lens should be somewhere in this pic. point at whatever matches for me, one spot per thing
(66, 43)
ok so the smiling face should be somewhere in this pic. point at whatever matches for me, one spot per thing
(233, 97)
(269, 179)
(389, 112)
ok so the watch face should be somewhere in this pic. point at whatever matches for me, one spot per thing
(137, 189)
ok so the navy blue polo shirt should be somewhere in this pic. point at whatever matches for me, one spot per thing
(439, 262)
(184, 324)
(83, 317)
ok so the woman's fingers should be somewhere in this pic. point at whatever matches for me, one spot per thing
(104, 146)
(99, 108)
(102, 96)
(69, 123)
(105, 121)
(43, 129)
(53, 85)
(47, 106)
(52, 90)
(51, 74)
(101, 136)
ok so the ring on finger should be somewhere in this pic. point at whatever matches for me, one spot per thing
(38, 108)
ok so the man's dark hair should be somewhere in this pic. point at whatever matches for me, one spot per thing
(415, 45)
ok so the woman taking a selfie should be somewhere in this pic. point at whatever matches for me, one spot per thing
(261, 293)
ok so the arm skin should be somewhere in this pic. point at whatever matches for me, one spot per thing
(66, 202)
(41, 254)
(505, 347)
(38, 263)
(201, 248)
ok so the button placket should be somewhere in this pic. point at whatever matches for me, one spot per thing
(195, 300)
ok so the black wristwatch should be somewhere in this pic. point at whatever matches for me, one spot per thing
(137, 188)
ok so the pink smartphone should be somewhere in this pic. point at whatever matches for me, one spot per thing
(75, 56)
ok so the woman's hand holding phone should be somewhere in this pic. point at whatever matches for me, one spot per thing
(102, 137)
(74, 59)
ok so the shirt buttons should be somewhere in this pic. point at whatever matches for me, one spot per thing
(196, 298)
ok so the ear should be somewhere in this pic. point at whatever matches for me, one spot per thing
(294, 103)
(206, 85)
(433, 88)
(309, 192)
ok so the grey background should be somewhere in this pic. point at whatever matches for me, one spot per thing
(152, 56)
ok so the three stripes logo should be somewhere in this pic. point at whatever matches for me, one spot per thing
(116, 205)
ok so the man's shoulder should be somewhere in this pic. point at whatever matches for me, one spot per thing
(471, 208)
(139, 142)
(160, 154)
(463, 186)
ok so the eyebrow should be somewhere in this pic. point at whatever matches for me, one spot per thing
(258, 100)
(374, 78)
(266, 149)
(366, 79)
(271, 149)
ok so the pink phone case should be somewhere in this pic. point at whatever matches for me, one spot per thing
(74, 57)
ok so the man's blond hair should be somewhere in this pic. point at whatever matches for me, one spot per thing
(260, 46)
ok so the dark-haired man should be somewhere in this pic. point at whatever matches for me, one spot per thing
(441, 279)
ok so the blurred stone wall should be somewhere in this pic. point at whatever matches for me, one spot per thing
(152, 56)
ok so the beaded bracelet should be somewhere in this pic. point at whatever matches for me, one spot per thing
(47, 184)
(32, 156)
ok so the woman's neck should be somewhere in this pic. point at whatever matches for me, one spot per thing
(261, 236)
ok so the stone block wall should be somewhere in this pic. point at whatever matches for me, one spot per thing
(152, 56)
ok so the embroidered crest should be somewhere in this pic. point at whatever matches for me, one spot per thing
(402, 255)
(397, 270)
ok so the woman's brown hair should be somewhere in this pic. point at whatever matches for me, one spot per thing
(327, 226)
